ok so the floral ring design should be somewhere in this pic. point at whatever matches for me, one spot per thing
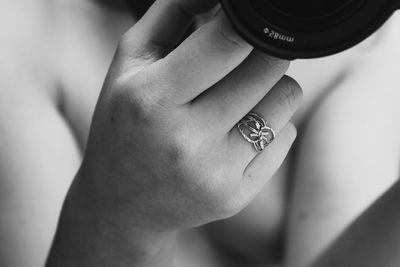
(254, 129)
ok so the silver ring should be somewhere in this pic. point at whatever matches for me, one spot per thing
(254, 130)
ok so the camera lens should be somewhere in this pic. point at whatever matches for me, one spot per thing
(306, 15)
(306, 28)
(308, 9)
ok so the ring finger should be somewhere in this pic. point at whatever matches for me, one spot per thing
(276, 108)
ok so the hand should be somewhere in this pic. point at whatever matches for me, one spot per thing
(163, 152)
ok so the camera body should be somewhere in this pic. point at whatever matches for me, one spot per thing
(293, 29)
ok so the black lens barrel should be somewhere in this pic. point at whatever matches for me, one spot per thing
(306, 16)
(306, 28)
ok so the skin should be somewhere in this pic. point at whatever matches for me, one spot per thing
(160, 184)
(377, 229)
(65, 111)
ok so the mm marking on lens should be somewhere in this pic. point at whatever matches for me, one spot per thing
(278, 36)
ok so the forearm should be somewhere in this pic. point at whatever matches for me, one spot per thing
(91, 235)
(373, 240)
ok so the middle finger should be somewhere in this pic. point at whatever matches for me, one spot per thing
(235, 95)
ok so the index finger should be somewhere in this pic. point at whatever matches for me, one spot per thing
(199, 62)
(166, 21)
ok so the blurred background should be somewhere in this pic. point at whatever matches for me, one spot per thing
(54, 56)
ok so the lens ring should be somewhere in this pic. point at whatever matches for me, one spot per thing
(287, 43)
(306, 9)
(312, 21)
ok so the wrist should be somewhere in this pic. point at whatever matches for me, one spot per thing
(92, 232)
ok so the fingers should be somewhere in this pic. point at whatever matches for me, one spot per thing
(200, 61)
(235, 95)
(277, 108)
(267, 163)
(166, 21)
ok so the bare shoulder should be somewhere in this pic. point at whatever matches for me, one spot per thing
(38, 153)
(59, 51)
(348, 153)
(26, 50)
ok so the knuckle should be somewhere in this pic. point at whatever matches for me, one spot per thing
(143, 102)
(180, 152)
(184, 154)
(290, 92)
(118, 92)
(152, 88)
(185, 135)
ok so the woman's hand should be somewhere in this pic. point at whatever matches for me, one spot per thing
(164, 152)
(164, 140)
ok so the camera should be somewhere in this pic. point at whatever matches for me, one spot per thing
(294, 29)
